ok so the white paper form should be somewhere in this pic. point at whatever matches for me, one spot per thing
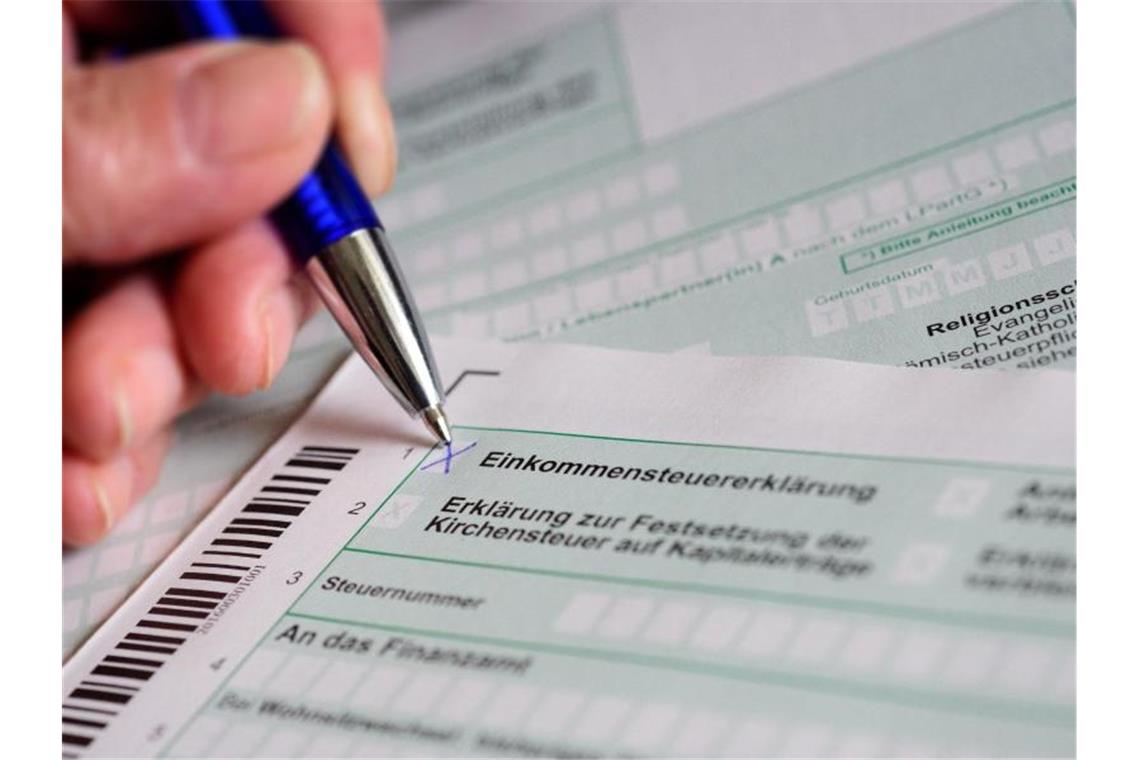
(573, 171)
(625, 553)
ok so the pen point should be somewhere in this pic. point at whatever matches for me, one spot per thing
(436, 422)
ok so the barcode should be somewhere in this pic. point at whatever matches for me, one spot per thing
(118, 678)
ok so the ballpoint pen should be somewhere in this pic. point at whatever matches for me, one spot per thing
(331, 231)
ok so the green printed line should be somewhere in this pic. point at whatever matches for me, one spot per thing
(552, 181)
(890, 258)
(1050, 715)
(574, 25)
(767, 449)
(756, 107)
(261, 640)
(1043, 628)
(698, 232)
(488, 152)
(619, 66)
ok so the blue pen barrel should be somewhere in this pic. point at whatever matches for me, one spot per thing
(328, 203)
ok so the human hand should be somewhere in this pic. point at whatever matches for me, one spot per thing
(185, 149)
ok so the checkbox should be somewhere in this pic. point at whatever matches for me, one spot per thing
(1016, 153)
(545, 219)
(379, 686)
(581, 613)
(801, 223)
(396, 512)
(872, 304)
(634, 283)
(917, 655)
(509, 705)
(431, 296)
(973, 168)
(930, 183)
(1009, 261)
(753, 738)
(815, 641)
(918, 290)
(845, 212)
(760, 239)
(552, 305)
(962, 276)
(461, 702)
(766, 634)
(421, 693)
(296, 675)
(622, 192)
(887, 197)
(554, 711)
(467, 246)
(698, 734)
(718, 255)
(472, 285)
(471, 324)
(647, 728)
(671, 623)
(509, 275)
(805, 740)
(624, 618)
(594, 294)
(677, 267)
(506, 233)
(961, 497)
(1023, 669)
(661, 179)
(826, 318)
(549, 262)
(1054, 247)
(669, 222)
(583, 206)
(860, 745)
(866, 648)
(629, 236)
(256, 670)
(600, 719)
(338, 680)
(513, 318)
(919, 564)
(718, 628)
(1058, 138)
(588, 250)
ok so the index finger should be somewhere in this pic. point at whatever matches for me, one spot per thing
(352, 42)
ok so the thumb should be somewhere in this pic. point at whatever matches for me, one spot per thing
(165, 150)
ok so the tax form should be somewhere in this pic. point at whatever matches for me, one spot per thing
(833, 180)
(622, 554)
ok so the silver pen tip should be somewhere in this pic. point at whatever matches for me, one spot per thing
(436, 422)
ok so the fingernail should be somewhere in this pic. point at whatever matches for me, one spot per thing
(106, 511)
(255, 99)
(280, 314)
(366, 128)
(123, 416)
(111, 486)
(150, 387)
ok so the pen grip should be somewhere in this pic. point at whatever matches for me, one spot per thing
(328, 204)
